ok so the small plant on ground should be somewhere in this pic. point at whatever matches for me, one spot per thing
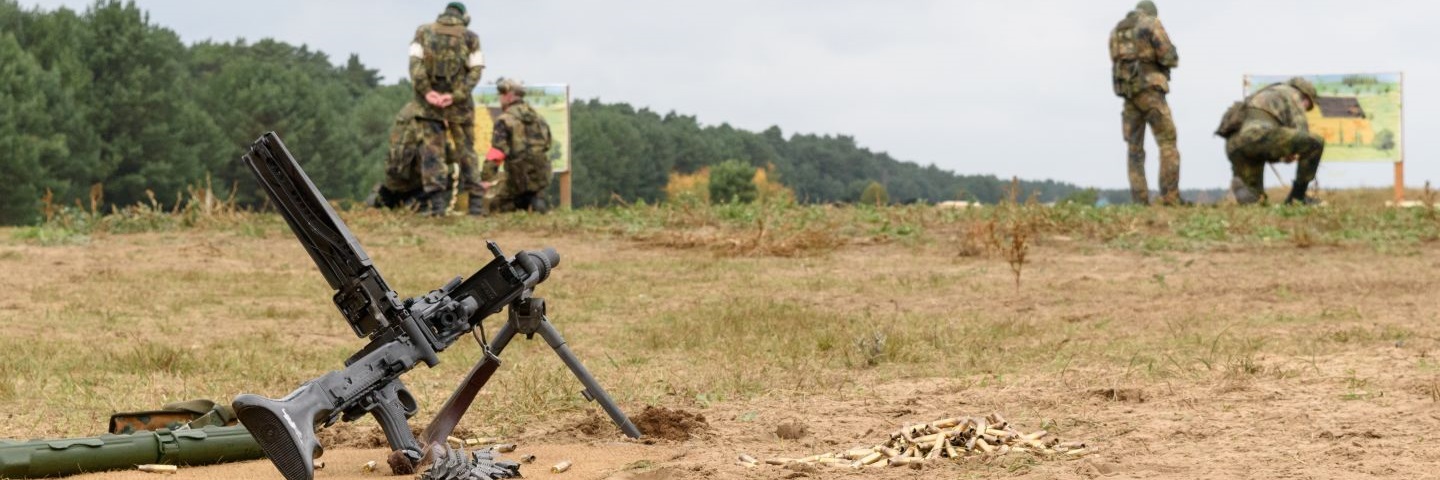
(875, 194)
(731, 182)
(1017, 227)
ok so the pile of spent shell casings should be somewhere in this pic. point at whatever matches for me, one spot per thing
(952, 438)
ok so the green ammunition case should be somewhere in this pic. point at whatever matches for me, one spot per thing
(69, 456)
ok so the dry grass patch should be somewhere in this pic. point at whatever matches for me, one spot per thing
(1220, 328)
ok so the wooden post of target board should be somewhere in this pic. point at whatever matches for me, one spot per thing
(565, 189)
(1400, 181)
(569, 167)
(1400, 165)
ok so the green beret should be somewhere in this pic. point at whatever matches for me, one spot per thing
(1148, 7)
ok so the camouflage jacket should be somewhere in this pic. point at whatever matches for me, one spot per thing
(446, 57)
(522, 134)
(1142, 55)
(405, 137)
(1278, 105)
(402, 162)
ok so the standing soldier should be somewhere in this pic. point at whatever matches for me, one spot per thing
(522, 143)
(1143, 56)
(445, 66)
(1269, 127)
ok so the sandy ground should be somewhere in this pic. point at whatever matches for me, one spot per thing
(1356, 409)
(594, 460)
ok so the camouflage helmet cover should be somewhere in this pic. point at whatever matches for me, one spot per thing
(507, 85)
(1148, 7)
(1306, 88)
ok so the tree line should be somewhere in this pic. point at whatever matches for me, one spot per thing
(105, 97)
(628, 152)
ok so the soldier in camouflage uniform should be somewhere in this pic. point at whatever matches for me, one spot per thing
(1142, 56)
(1269, 127)
(402, 186)
(445, 65)
(522, 143)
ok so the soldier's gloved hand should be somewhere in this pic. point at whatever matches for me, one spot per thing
(495, 155)
(1292, 158)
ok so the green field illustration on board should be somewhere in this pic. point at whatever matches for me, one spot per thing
(551, 101)
(1360, 115)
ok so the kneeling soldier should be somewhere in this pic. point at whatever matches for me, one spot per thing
(1268, 127)
(521, 141)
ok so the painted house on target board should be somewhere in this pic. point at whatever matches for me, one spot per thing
(1341, 121)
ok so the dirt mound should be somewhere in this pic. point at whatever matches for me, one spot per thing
(792, 430)
(664, 423)
(595, 425)
(348, 435)
(1132, 395)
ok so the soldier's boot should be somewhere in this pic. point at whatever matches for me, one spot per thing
(1170, 176)
(1176, 201)
(522, 202)
(477, 205)
(386, 198)
(436, 203)
(1311, 147)
(376, 199)
(1244, 195)
(538, 204)
(1297, 194)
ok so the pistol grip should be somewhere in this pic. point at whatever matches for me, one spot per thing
(391, 406)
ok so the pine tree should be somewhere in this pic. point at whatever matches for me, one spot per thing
(28, 141)
(153, 136)
(730, 182)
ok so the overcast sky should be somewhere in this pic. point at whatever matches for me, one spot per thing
(1016, 87)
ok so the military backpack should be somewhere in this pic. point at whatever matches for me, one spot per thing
(537, 138)
(446, 55)
(1124, 54)
(1232, 120)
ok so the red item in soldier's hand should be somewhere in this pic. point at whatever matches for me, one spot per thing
(495, 155)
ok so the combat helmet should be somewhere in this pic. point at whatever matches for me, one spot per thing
(1148, 7)
(1307, 89)
(507, 85)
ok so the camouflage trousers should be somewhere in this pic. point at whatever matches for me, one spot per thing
(1251, 148)
(1149, 108)
(440, 148)
(402, 179)
(526, 179)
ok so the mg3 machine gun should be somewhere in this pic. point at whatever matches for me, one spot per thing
(402, 334)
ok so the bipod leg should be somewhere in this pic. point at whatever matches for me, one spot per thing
(502, 337)
(593, 390)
